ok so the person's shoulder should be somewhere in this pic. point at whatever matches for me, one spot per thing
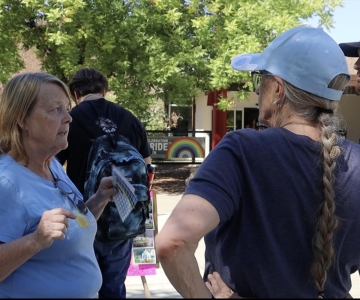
(351, 144)
(254, 140)
(134, 120)
(118, 107)
(241, 139)
(350, 147)
(76, 108)
(9, 167)
(253, 134)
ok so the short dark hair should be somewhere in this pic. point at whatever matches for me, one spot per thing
(88, 81)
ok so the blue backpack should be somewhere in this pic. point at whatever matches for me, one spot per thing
(109, 149)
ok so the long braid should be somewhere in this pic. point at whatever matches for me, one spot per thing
(306, 105)
(328, 222)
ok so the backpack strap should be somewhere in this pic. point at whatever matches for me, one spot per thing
(87, 122)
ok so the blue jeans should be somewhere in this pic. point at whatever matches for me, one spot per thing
(114, 260)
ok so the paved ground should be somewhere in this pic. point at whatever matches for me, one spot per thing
(159, 286)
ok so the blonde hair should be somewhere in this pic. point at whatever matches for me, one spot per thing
(19, 98)
(310, 107)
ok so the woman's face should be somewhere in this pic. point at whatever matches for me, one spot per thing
(47, 126)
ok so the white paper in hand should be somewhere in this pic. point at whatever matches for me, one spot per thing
(125, 200)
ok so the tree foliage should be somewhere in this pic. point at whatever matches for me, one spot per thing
(149, 49)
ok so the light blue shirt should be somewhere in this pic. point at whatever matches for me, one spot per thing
(66, 269)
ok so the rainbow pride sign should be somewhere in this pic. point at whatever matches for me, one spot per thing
(185, 147)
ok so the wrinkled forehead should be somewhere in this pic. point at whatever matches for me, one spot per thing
(52, 93)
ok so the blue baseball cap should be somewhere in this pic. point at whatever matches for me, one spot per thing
(306, 57)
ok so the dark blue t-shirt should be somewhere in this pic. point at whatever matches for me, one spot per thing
(267, 188)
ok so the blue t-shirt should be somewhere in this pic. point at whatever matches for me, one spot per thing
(66, 269)
(267, 188)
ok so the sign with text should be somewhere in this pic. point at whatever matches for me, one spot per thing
(177, 148)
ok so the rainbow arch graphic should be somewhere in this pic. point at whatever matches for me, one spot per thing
(185, 147)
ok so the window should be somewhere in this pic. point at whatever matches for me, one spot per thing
(233, 120)
(180, 117)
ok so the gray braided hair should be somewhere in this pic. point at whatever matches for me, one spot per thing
(324, 113)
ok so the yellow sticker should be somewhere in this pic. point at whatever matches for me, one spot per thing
(81, 220)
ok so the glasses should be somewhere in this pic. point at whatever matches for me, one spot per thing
(256, 78)
(259, 126)
(66, 189)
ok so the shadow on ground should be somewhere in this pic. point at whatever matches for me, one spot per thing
(170, 178)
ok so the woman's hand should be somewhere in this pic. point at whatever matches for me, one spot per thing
(97, 202)
(217, 286)
(53, 225)
(106, 188)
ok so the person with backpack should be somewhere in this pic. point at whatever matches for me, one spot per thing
(278, 208)
(97, 120)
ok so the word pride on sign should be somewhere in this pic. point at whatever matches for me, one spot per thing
(177, 147)
(158, 144)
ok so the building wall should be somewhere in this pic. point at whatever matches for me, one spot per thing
(203, 113)
(251, 102)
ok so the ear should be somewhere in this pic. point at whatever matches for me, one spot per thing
(22, 124)
(279, 91)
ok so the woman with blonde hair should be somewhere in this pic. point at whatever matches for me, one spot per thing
(46, 230)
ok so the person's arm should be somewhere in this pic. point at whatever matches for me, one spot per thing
(175, 244)
(53, 225)
(97, 202)
(147, 160)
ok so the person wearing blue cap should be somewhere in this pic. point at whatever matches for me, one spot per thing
(353, 50)
(278, 208)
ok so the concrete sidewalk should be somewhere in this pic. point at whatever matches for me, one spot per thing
(159, 285)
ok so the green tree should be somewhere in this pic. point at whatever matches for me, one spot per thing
(150, 50)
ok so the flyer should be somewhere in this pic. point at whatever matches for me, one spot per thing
(125, 200)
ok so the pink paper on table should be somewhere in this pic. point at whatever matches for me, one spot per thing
(141, 270)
